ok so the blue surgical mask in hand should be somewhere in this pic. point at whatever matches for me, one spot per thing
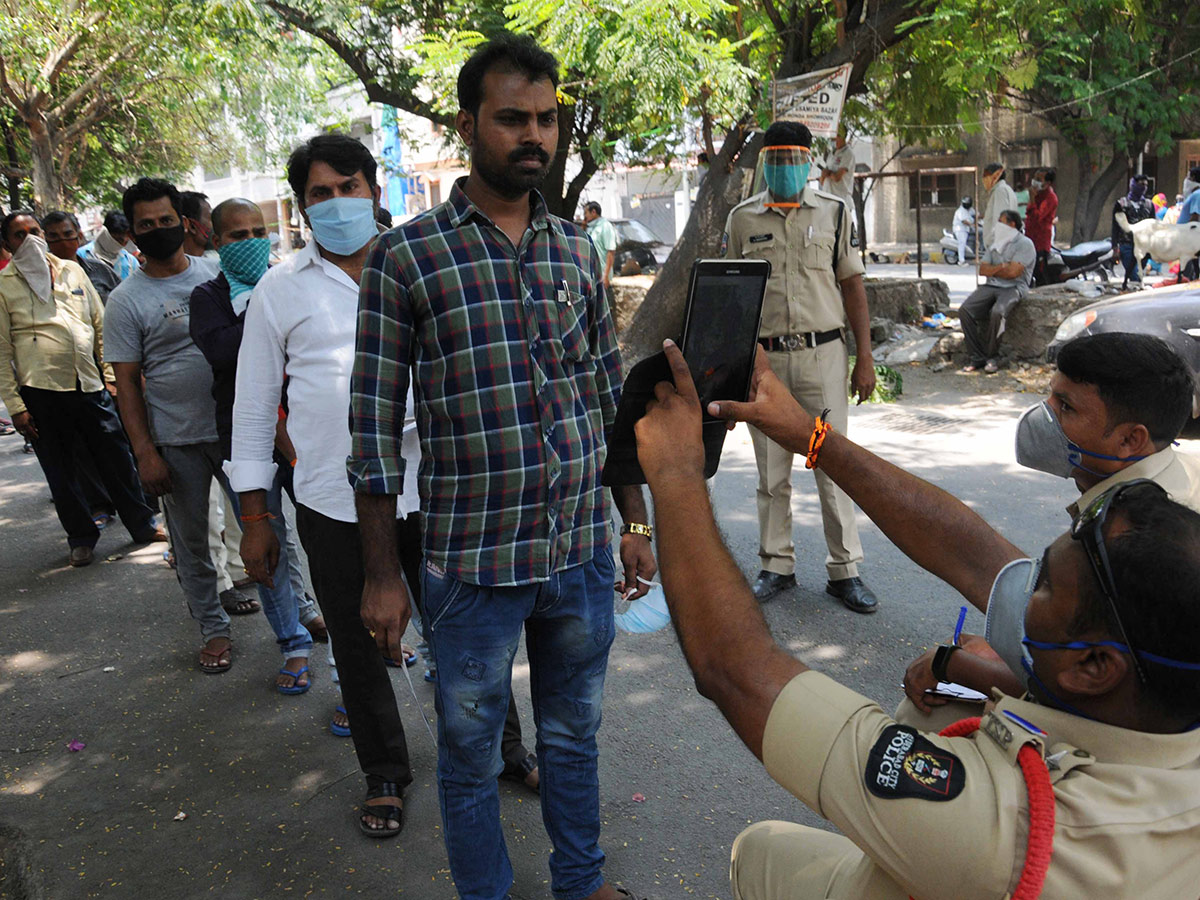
(646, 614)
(343, 225)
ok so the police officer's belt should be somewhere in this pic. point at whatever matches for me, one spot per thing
(808, 339)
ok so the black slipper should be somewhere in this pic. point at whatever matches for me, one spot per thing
(386, 811)
(518, 772)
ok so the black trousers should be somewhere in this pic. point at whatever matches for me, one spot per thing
(334, 551)
(67, 420)
(512, 750)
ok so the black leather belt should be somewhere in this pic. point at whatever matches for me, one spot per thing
(807, 340)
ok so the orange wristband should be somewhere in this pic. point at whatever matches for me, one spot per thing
(257, 517)
(820, 428)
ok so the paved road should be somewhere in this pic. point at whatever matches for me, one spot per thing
(269, 795)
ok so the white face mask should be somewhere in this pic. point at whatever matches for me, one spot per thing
(30, 260)
(1003, 234)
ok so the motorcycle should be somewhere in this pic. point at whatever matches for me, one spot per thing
(1079, 261)
(949, 245)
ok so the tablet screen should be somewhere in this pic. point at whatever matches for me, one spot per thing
(721, 332)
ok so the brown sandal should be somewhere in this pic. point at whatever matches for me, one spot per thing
(222, 659)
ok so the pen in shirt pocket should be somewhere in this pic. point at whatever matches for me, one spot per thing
(564, 295)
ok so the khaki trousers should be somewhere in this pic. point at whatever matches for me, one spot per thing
(818, 379)
(785, 861)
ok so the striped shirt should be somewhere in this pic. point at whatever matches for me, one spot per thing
(517, 380)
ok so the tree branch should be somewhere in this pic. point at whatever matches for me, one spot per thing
(354, 57)
(14, 98)
(55, 63)
(73, 99)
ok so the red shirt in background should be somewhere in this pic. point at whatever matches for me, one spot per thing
(1039, 218)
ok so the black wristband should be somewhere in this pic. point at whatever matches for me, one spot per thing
(941, 659)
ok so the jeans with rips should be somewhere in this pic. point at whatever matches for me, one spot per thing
(474, 631)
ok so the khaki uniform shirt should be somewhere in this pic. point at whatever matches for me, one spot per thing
(52, 344)
(802, 292)
(949, 817)
(1178, 473)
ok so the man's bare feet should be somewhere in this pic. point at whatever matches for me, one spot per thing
(296, 679)
(216, 656)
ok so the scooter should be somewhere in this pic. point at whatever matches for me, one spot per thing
(949, 245)
(1080, 260)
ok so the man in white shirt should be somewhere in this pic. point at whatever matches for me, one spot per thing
(837, 172)
(302, 316)
(1000, 198)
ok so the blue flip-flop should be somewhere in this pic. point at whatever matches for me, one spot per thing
(409, 661)
(296, 687)
(335, 728)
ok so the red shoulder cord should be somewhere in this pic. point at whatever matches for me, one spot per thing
(1041, 812)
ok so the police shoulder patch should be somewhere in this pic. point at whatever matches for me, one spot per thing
(904, 764)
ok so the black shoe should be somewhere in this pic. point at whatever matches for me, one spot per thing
(768, 584)
(854, 595)
(81, 556)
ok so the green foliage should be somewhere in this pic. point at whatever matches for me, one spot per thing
(889, 384)
(102, 91)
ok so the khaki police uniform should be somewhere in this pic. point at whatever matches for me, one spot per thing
(1177, 473)
(946, 818)
(803, 310)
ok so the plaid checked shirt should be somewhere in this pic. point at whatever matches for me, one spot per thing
(517, 375)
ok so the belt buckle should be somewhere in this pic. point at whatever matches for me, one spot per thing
(793, 341)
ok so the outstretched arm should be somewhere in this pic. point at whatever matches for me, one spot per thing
(919, 518)
(736, 662)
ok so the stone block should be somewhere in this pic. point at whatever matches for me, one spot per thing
(1031, 325)
(906, 300)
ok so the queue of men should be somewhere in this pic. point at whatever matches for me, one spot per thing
(474, 350)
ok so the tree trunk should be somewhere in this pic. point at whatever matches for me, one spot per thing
(47, 189)
(10, 152)
(1092, 193)
(661, 313)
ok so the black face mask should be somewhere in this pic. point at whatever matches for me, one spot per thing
(161, 243)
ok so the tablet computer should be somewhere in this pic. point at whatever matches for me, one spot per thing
(720, 328)
(720, 336)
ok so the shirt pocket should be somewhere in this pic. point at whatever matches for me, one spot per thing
(760, 248)
(818, 251)
(572, 324)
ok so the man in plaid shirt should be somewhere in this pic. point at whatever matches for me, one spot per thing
(500, 310)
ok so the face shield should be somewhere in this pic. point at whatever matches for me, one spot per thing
(785, 169)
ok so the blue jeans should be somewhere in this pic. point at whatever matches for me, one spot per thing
(473, 632)
(281, 604)
(1132, 267)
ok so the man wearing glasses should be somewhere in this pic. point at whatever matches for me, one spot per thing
(1088, 786)
(814, 291)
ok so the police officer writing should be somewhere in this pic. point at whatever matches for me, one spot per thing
(1088, 786)
(815, 290)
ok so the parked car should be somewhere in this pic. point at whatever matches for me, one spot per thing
(1171, 313)
(639, 250)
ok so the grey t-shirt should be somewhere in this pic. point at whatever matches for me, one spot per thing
(1019, 249)
(146, 321)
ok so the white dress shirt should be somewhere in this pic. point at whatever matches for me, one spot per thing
(302, 317)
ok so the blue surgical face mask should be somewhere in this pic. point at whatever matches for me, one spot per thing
(786, 182)
(1043, 445)
(343, 225)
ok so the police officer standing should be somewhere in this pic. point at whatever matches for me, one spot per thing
(815, 290)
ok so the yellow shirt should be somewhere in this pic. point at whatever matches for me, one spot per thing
(1177, 473)
(802, 293)
(1127, 803)
(52, 343)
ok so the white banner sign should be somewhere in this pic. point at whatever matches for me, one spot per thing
(814, 98)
